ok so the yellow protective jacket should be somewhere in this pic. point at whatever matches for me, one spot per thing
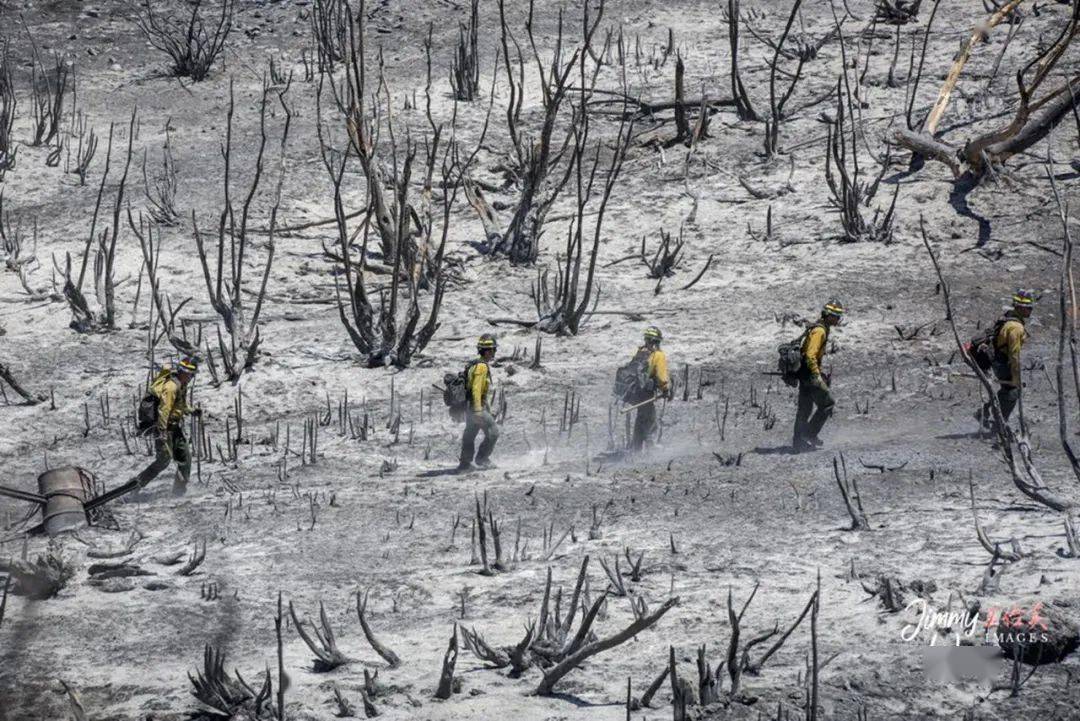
(478, 384)
(657, 368)
(813, 348)
(172, 405)
(1008, 343)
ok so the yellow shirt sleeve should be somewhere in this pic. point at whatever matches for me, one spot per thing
(658, 370)
(1013, 335)
(478, 386)
(813, 350)
(166, 402)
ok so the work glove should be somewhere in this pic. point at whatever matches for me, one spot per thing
(819, 383)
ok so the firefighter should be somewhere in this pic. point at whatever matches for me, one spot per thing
(1009, 335)
(170, 444)
(479, 391)
(816, 403)
(657, 385)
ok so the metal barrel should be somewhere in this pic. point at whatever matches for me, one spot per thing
(65, 492)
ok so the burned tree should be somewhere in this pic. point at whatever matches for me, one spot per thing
(8, 104)
(850, 194)
(387, 334)
(226, 294)
(104, 246)
(48, 90)
(193, 44)
(161, 195)
(1035, 116)
(804, 52)
(536, 161)
(330, 31)
(465, 67)
(743, 105)
(563, 308)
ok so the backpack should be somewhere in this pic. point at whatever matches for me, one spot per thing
(982, 347)
(147, 413)
(632, 381)
(456, 392)
(790, 360)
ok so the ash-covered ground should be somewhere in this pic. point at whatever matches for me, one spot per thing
(717, 504)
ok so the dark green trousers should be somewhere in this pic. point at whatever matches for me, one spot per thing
(172, 447)
(475, 422)
(814, 408)
(644, 422)
(1007, 396)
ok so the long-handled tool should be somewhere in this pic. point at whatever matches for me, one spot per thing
(639, 405)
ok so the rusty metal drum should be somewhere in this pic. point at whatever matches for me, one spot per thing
(65, 490)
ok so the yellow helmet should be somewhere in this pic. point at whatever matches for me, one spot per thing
(834, 308)
(1023, 298)
(188, 365)
(652, 333)
(486, 341)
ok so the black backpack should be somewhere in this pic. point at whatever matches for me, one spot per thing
(632, 381)
(147, 416)
(456, 392)
(982, 347)
(790, 360)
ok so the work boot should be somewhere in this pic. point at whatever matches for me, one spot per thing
(484, 463)
(801, 445)
(815, 441)
(179, 488)
(465, 467)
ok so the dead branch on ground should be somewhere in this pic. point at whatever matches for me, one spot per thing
(1010, 554)
(1035, 116)
(849, 489)
(584, 652)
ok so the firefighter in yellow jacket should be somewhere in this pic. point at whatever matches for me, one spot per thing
(479, 391)
(658, 385)
(1009, 340)
(170, 444)
(815, 405)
